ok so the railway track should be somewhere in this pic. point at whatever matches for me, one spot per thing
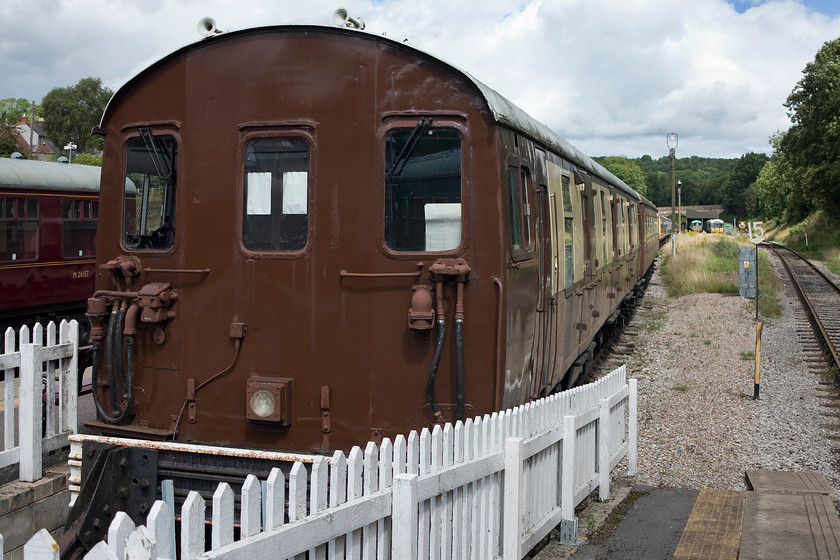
(820, 297)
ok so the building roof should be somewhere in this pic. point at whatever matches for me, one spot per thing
(41, 142)
(697, 215)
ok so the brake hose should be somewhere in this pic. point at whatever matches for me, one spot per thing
(430, 385)
(114, 358)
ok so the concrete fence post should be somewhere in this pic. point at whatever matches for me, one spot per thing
(29, 409)
(404, 529)
(512, 522)
(568, 479)
(604, 450)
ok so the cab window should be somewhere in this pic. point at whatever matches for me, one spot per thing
(276, 210)
(423, 188)
(151, 162)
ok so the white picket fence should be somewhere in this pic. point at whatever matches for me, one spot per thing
(46, 385)
(492, 487)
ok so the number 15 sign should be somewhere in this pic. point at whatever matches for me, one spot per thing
(758, 236)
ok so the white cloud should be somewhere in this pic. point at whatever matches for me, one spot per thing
(611, 76)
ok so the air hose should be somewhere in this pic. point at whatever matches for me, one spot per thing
(459, 369)
(109, 361)
(430, 385)
(119, 362)
(114, 359)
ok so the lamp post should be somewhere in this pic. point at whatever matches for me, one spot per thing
(70, 146)
(673, 141)
(679, 194)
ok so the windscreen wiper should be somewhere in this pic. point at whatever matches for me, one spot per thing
(399, 164)
(163, 164)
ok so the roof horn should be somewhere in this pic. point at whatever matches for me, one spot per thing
(207, 27)
(341, 19)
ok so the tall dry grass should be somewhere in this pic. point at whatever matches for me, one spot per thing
(708, 263)
(704, 263)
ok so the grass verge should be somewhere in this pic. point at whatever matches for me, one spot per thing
(708, 263)
(704, 263)
(817, 237)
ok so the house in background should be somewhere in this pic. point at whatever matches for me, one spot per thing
(34, 136)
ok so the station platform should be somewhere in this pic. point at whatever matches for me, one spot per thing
(784, 515)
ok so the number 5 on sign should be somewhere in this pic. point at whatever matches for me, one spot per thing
(759, 232)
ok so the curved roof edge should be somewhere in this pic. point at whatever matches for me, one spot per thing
(503, 110)
(507, 113)
(48, 176)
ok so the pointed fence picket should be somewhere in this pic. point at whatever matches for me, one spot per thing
(46, 391)
(491, 487)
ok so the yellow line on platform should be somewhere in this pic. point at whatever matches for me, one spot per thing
(713, 530)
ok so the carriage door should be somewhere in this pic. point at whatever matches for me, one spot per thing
(587, 218)
(566, 257)
(545, 323)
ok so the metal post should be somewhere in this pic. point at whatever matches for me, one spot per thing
(31, 131)
(679, 213)
(673, 138)
(757, 356)
(673, 197)
(757, 293)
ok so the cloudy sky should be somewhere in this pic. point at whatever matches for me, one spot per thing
(611, 76)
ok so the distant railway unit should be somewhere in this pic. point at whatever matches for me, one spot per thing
(714, 225)
(48, 216)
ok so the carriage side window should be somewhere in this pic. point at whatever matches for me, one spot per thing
(605, 231)
(18, 229)
(422, 188)
(276, 211)
(151, 172)
(569, 229)
(622, 227)
(79, 239)
(520, 210)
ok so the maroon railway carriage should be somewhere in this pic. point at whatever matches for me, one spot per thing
(336, 238)
(48, 214)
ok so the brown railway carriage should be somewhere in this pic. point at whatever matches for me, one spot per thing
(48, 215)
(310, 203)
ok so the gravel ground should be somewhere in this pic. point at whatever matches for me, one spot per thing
(699, 426)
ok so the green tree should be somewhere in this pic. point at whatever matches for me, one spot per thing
(8, 142)
(11, 109)
(627, 170)
(71, 112)
(88, 159)
(781, 191)
(745, 173)
(812, 144)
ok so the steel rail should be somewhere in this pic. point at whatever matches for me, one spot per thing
(784, 256)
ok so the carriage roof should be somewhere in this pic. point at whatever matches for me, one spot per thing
(503, 110)
(48, 176)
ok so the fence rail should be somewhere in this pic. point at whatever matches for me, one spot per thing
(491, 487)
(40, 396)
